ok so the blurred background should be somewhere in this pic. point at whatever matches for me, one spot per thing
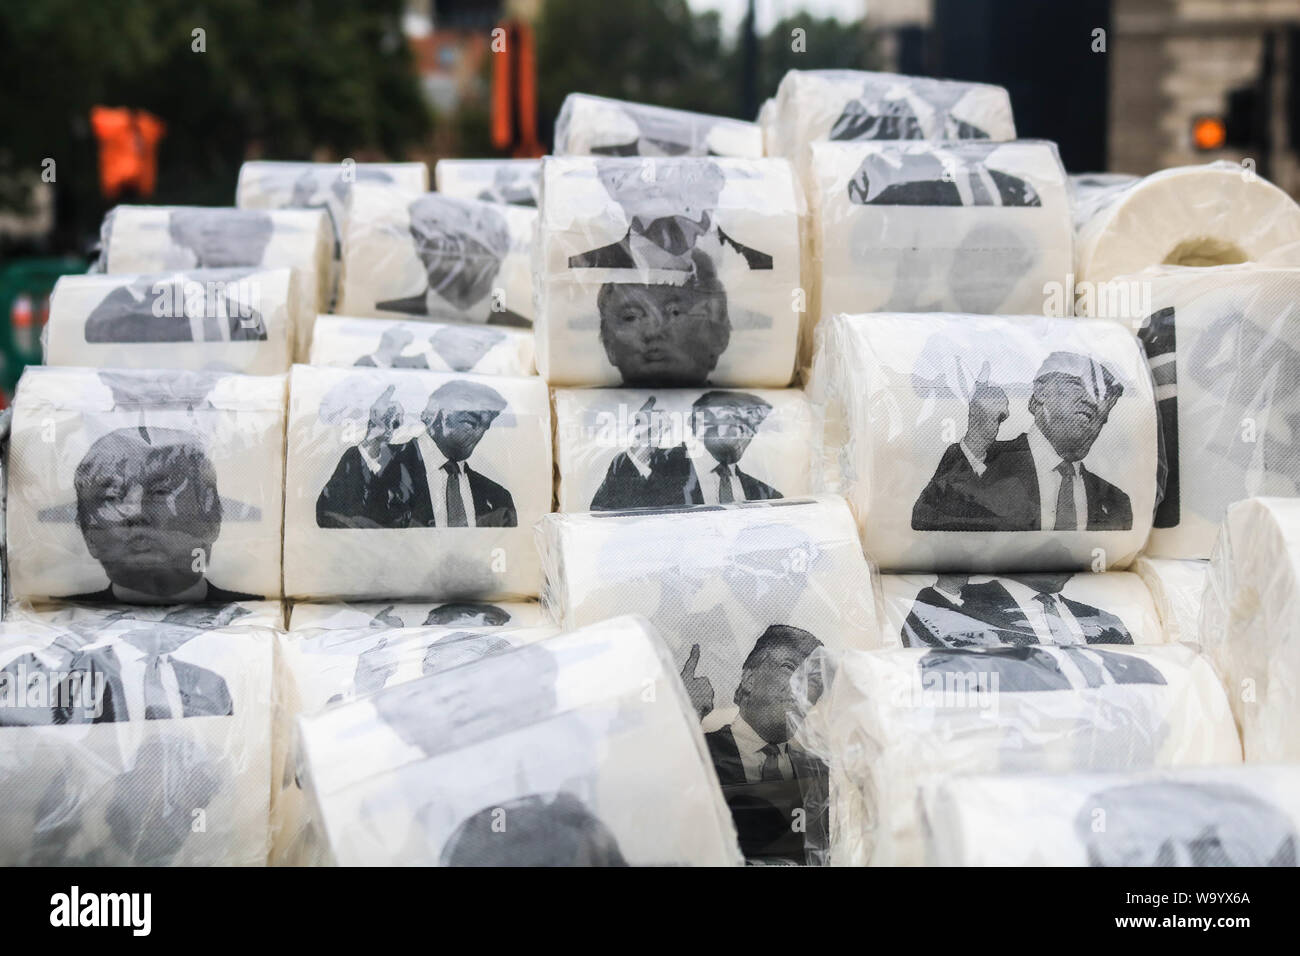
(160, 101)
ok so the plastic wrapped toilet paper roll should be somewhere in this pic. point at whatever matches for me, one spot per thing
(436, 257)
(1223, 344)
(420, 485)
(935, 227)
(644, 448)
(902, 719)
(559, 737)
(1250, 627)
(232, 320)
(344, 342)
(596, 126)
(669, 272)
(1177, 588)
(1217, 214)
(1216, 816)
(1090, 191)
(514, 182)
(265, 614)
(989, 443)
(741, 594)
(115, 739)
(1057, 608)
(308, 615)
(146, 487)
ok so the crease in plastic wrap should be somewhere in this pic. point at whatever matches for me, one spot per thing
(1223, 344)
(1216, 214)
(343, 341)
(1250, 623)
(580, 749)
(989, 443)
(676, 272)
(897, 720)
(417, 485)
(134, 744)
(308, 615)
(513, 182)
(146, 487)
(599, 126)
(742, 595)
(1177, 587)
(436, 257)
(1060, 608)
(646, 448)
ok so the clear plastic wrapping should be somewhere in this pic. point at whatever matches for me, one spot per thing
(646, 448)
(1090, 191)
(897, 720)
(307, 615)
(436, 257)
(741, 594)
(160, 487)
(420, 485)
(514, 182)
(1177, 588)
(989, 443)
(1215, 816)
(669, 272)
(1046, 607)
(262, 614)
(233, 320)
(1250, 623)
(134, 744)
(597, 126)
(343, 341)
(577, 750)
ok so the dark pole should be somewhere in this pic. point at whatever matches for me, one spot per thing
(749, 65)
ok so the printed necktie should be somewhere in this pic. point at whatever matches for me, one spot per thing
(455, 504)
(726, 494)
(771, 763)
(1066, 517)
(1061, 634)
(156, 706)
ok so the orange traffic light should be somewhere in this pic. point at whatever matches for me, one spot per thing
(1209, 132)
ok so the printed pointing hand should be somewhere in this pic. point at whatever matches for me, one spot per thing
(988, 410)
(700, 689)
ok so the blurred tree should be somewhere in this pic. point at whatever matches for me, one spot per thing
(826, 44)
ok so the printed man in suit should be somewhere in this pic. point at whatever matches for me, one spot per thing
(221, 238)
(149, 511)
(130, 313)
(936, 179)
(724, 423)
(467, 614)
(1037, 480)
(885, 111)
(1030, 668)
(670, 215)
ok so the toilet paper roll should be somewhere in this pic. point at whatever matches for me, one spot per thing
(933, 227)
(560, 737)
(1223, 344)
(1090, 191)
(145, 239)
(596, 126)
(264, 614)
(1176, 588)
(150, 728)
(1217, 214)
(1250, 627)
(160, 487)
(514, 182)
(1217, 816)
(307, 616)
(642, 448)
(1058, 608)
(436, 257)
(941, 431)
(232, 320)
(373, 508)
(344, 342)
(902, 719)
(741, 594)
(669, 272)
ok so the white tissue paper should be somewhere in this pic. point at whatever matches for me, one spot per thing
(134, 744)
(1250, 623)
(741, 594)
(514, 182)
(1090, 191)
(941, 227)
(558, 740)
(901, 719)
(231, 320)
(146, 487)
(342, 341)
(1213, 816)
(1217, 214)
(265, 614)
(420, 485)
(647, 448)
(669, 272)
(1047, 607)
(597, 126)
(944, 423)
(308, 615)
(1176, 587)
(1223, 344)
(436, 257)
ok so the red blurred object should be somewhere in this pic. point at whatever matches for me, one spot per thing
(128, 149)
(514, 93)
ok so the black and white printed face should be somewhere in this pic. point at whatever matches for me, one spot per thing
(221, 238)
(533, 830)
